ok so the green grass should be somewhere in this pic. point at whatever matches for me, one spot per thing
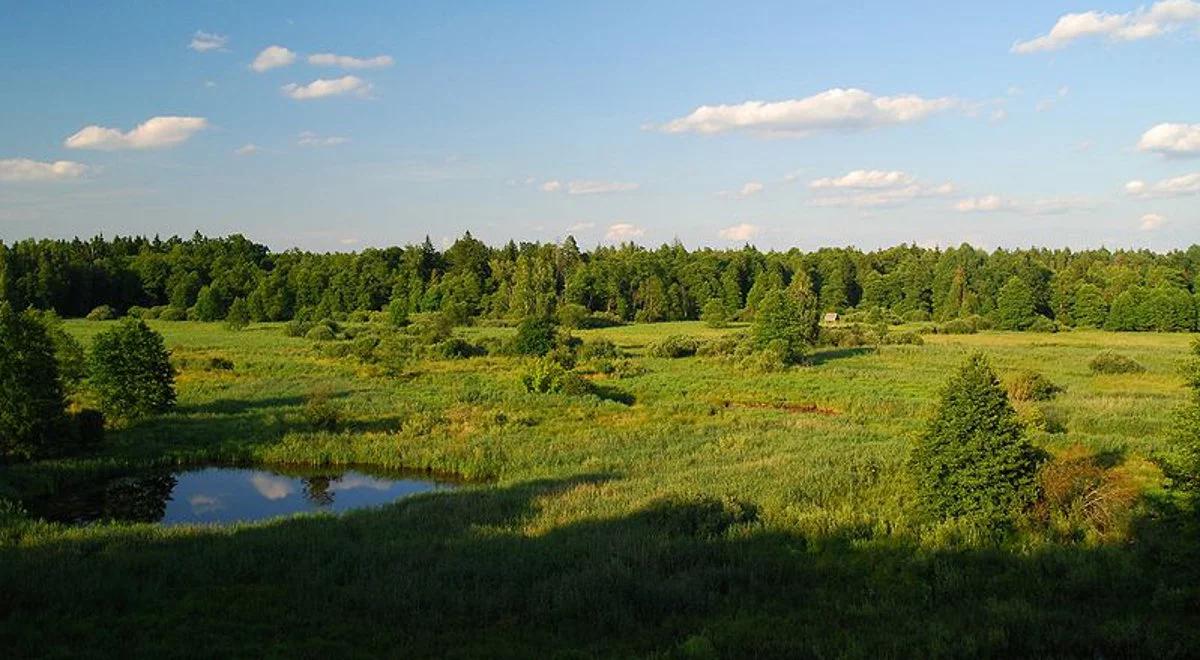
(606, 528)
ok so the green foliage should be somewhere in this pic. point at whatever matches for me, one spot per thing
(1125, 315)
(1184, 453)
(547, 376)
(209, 305)
(973, 460)
(574, 316)
(238, 316)
(320, 332)
(68, 352)
(714, 314)
(397, 313)
(322, 411)
(1042, 324)
(458, 348)
(786, 324)
(1015, 308)
(173, 314)
(1029, 385)
(673, 346)
(131, 371)
(102, 313)
(1110, 362)
(535, 336)
(31, 395)
(1089, 308)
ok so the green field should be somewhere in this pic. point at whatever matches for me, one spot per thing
(694, 510)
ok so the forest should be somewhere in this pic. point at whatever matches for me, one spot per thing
(201, 278)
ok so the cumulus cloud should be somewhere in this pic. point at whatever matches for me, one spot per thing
(551, 186)
(322, 88)
(751, 188)
(202, 41)
(310, 139)
(1172, 139)
(866, 188)
(16, 170)
(1151, 221)
(154, 133)
(1162, 17)
(272, 57)
(247, 149)
(740, 232)
(347, 62)
(580, 226)
(623, 231)
(831, 110)
(1047, 206)
(984, 204)
(1179, 186)
(599, 187)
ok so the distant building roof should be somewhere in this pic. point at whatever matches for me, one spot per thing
(831, 316)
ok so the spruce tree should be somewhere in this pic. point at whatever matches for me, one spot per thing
(973, 460)
(32, 405)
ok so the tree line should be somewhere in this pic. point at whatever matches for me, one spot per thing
(203, 278)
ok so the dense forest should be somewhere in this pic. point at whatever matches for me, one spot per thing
(201, 278)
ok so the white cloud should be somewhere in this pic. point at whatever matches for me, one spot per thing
(1172, 139)
(321, 88)
(999, 115)
(1186, 184)
(599, 187)
(15, 170)
(347, 62)
(154, 133)
(310, 139)
(864, 179)
(272, 57)
(1161, 18)
(831, 110)
(751, 188)
(1151, 221)
(202, 41)
(272, 488)
(740, 232)
(247, 149)
(551, 186)
(623, 231)
(984, 204)
(867, 188)
(580, 226)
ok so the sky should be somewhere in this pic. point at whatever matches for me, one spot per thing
(338, 126)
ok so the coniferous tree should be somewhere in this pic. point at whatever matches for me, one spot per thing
(973, 460)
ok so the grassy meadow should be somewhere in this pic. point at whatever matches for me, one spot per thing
(691, 509)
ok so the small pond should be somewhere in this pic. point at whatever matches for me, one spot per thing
(226, 494)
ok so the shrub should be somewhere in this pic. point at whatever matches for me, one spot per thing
(397, 313)
(1042, 324)
(1183, 458)
(573, 316)
(848, 336)
(958, 327)
(1031, 386)
(218, 363)
(238, 316)
(599, 348)
(209, 305)
(32, 405)
(902, 338)
(1110, 362)
(916, 316)
(535, 336)
(714, 314)
(973, 460)
(458, 348)
(131, 371)
(321, 411)
(785, 320)
(673, 346)
(545, 376)
(723, 346)
(139, 312)
(1079, 495)
(102, 313)
(173, 314)
(320, 333)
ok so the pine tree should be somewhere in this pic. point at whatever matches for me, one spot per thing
(32, 405)
(973, 460)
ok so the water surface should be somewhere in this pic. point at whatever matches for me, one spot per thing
(226, 494)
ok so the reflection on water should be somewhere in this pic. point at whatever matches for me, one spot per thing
(224, 494)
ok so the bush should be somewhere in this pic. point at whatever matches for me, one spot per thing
(68, 352)
(673, 346)
(102, 313)
(916, 316)
(320, 333)
(545, 376)
(1031, 386)
(599, 348)
(787, 320)
(723, 346)
(32, 404)
(848, 336)
(321, 411)
(714, 314)
(535, 336)
(238, 316)
(458, 348)
(139, 312)
(1079, 495)
(131, 371)
(397, 313)
(572, 316)
(1110, 362)
(218, 363)
(173, 314)
(902, 338)
(958, 327)
(1042, 324)
(973, 460)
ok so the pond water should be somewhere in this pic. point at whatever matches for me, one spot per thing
(226, 494)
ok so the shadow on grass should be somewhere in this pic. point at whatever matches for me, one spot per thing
(238, 406)
(821, 356)
(472, 573)
(611, 393)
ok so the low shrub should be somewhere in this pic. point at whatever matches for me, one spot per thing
(173, 314)
(1111, 362)
(599, 348)
(296, 328)
(321, 411)
(1042, 324)
(957, 327)
(723, 346)
(546, 376)
(457, 348)
(673, 346)
(1078, 496)
(571, 315)
(848, 336)
(535, 336)
(139, 312)
(1031, 386)
(916, 316)
(908, 338)
(1041, 417)
(102, 313)
(714, 314)
(320, 333)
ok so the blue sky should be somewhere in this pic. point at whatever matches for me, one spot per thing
(781, 124)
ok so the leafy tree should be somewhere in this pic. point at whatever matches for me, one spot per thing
(973, 460)
(397, 312)
(209, 306)
(714, 315)
(131, 371)
(1089, 308)
(68, 353)
(1125, 313)
(1015, 309)
(238, 316)
(32, 405)
(535, 336)
(779, 324)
